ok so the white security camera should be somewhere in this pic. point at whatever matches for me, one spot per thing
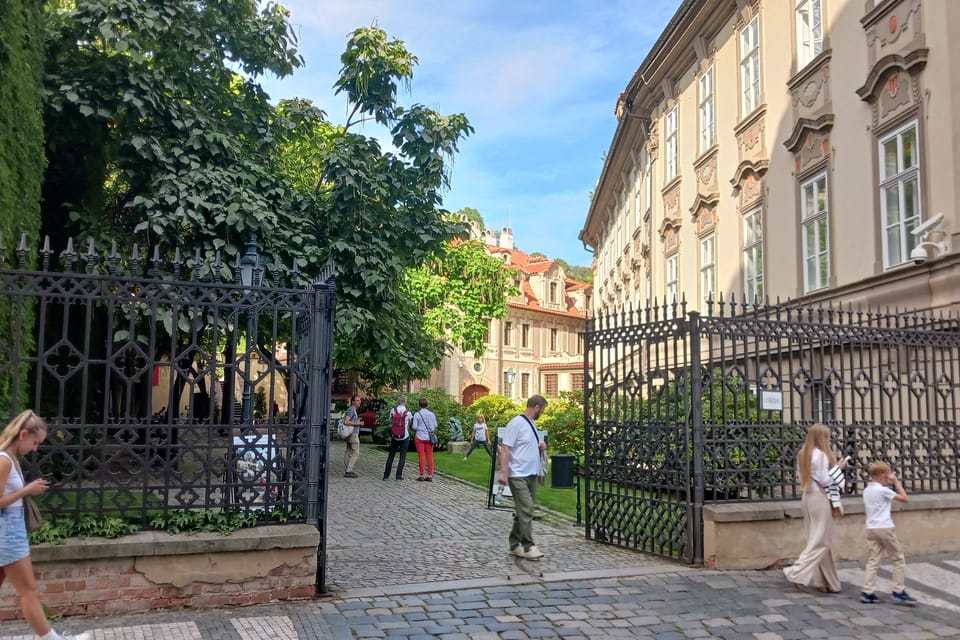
(927, 225)
(919, 254)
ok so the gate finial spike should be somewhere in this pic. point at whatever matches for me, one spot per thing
(295, 274)
(68, 256)
(22, 251)
(3, 249)
(177, 263)
(217, 266)
(91, 256)
(155, 261)
(135, 259)
(45, 252)
(197, 262)
(113, 260)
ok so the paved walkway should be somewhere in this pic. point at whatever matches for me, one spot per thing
(417, 560)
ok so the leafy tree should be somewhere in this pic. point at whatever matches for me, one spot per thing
(460, 292)
(580, 274)
(159, 134)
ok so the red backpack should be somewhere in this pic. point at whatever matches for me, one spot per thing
(398, 423)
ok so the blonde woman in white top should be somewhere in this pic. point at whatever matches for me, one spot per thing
(821, 478)
(22, 436)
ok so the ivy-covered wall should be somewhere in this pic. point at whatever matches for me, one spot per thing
(22, 159)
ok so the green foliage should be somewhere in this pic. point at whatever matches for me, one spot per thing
(563, 419)
(260, 403)
(22, 161)
(578, 273)
(54, 532)
(472, 215)
(439, 401)
(498, 411)
(460, 292)
(223, 522)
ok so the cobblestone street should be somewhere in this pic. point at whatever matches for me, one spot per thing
(418, 560)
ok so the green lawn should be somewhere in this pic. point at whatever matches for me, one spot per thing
(477, 470)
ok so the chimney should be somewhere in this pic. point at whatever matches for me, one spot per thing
(506, 239)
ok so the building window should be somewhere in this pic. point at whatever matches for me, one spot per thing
(813, 222)
(750, 66)
(670, 142)
(550, 384)
(524, 385)
(708, 267)
(507, 333)
(576, 382)
(706, 109)
(579, 343)
(486, 333)
(525, 335)
(342, 383)
(673, 279)
(554, 339)
(809, 31)
(753, 255)
(899, 193)
(553, 292)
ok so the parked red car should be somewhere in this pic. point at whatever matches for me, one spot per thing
(368, 413)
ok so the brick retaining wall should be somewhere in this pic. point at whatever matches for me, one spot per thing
(153, 570)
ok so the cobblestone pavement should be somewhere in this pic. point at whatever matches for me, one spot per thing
(401, 567)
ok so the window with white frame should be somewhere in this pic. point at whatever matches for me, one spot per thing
(706, 110)
(753, 255)
(809, 30)
(813, 223)
(708, 267)
(899, 193)
(673, 279)
(670, 142)
(750, 66)
(554, 339)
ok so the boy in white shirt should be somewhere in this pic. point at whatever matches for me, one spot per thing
(878, 498)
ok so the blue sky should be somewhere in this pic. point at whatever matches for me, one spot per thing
(537, 79)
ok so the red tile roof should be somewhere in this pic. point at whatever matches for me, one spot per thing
(534, 265)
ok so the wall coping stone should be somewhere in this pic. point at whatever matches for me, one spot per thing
(756, 511)
(161, 543)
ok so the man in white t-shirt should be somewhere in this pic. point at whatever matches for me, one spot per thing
(878, 498)
(520, 447)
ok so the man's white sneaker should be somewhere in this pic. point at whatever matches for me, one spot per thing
(518, 551)
(533, 553)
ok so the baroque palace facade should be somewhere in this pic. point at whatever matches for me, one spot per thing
(792, 149)
(537, 348)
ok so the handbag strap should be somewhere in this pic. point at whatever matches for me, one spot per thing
(533, 428)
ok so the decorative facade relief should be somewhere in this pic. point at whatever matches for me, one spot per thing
(897, 53)
(896, 29)
(810, 142)
(671, 202)
(706, 219)
(810, 94)
(751, 190)
(705, 169)
(653, 138)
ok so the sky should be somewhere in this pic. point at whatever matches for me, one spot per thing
(538, 80)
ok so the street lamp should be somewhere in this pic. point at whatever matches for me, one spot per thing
(250, 276)
(511, 376)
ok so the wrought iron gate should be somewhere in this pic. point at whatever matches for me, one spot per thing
(683, 409)
(167, 389)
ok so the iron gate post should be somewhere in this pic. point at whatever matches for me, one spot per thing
(589, 328)
(696, 426)
(324, 303)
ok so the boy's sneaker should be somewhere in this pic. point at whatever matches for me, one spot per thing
(903, 598)
(868, 598)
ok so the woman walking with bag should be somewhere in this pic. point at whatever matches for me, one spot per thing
(22, 436)
(425, 425)
(821, 479)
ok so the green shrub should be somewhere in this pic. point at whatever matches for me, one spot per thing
(563, 420)
(497, 409)
(439, 402)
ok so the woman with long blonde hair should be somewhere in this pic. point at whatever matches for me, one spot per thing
(22, 436)
(821, 479)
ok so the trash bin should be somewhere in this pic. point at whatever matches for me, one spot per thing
(561, 474)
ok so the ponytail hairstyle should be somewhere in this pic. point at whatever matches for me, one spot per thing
(27, 421)
(818, 437)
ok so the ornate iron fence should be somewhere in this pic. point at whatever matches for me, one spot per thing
(169, 389)
(684, 409)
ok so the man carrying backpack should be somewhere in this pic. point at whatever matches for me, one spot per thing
(400, 420)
